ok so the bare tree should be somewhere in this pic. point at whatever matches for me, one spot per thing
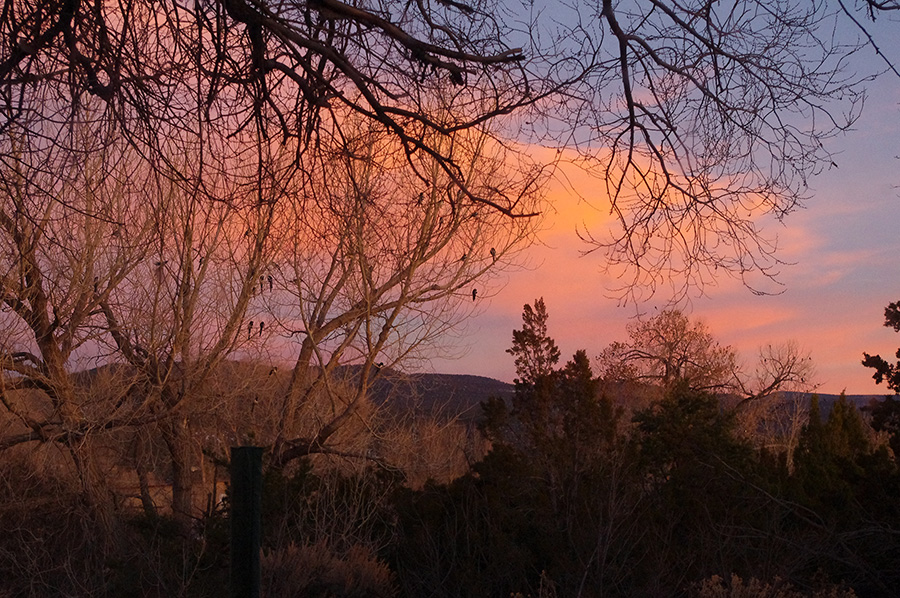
(770, 398)
(250, 248)
(697, 117)
(783, 367)
(180, 315)
(376, 265)
(774, 402)
(59, 262)
(671, 348)
(108, 263)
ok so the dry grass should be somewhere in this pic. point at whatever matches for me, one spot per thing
(717, 587)
(316, 571)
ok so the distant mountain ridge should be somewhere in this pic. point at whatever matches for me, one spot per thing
(442, 395)
(827, 401)
(460, 395)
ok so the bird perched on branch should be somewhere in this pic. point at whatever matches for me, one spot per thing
(474, 294)
(160, 271)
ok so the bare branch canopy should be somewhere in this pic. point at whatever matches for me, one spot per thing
(699, 117)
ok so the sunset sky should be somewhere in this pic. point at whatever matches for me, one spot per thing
(844, 246)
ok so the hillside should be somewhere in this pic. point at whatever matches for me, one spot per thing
(448, 395)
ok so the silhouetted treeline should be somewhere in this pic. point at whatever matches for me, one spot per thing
(576, 497)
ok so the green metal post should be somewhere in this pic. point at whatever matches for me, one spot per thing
(246, 520)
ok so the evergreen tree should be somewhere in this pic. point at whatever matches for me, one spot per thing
(535, 352)
(884, 371)
(851, 485)
(828, 453)
(886, 418)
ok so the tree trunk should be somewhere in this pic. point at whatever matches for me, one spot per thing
(143, 473)
(178, 440)
(101, 523)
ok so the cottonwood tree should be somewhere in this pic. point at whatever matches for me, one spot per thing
(345, 249)
(375, 266)
(60, 261)
(181, 314)
(699, 117)
(702, 132)
(772, 397)
(108, 263)
(670, 350)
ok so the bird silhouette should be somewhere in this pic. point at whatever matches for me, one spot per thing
(463, 258)
(159, 270)
(474, 294)
(494, 254)
(270, 281)
(250, 329)
(261, 326)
